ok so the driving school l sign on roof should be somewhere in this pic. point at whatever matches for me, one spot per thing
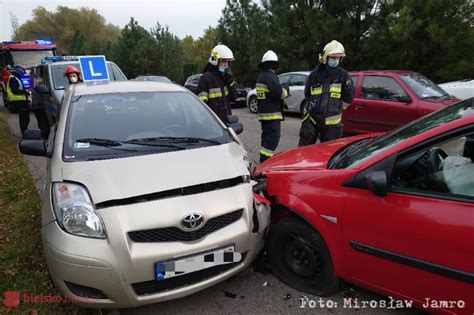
(94, 68)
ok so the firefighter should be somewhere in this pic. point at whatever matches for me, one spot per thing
(216, 86)
(328, 91)
(270, 95)
(17, 96)
(73, 75)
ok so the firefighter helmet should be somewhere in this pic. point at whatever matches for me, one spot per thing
(70, 70)
(269, 60)
(220, 52)
(333, 48)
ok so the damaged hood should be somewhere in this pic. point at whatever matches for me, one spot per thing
(134, 176)
(309, 157)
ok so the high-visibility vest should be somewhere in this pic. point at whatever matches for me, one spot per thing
(11, 97)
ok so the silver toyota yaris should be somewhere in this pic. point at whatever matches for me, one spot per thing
(149, 195)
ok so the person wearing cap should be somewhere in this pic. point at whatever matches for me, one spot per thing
(73, 75)
(17, 96)
(270, 97)
(328, 91)
(216, 86)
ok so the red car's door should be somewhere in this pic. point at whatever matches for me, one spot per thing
(383, 105)
(418, 241)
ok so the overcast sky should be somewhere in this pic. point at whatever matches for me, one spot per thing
(183, 17)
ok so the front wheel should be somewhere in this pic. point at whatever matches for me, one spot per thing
(253, 104)
(299, 257)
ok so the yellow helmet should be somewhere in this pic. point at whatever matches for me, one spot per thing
(333, 48)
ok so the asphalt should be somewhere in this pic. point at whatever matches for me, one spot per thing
(253, 291)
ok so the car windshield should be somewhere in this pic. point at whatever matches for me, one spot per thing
(109, 125)
(423, 87)
(347, 157)
(61, 82)
(29, 58)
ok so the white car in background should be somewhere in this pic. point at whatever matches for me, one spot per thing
(462, 89)
(295, 81)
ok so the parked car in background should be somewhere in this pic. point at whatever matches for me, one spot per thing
(392, 213)
(384, 100)
(153, 78)
(241, 95)
(295, 81)
(462, 89)
(52, 71)
(127, 219)
(191, 83)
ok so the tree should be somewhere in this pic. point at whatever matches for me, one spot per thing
(169, 54)
(63, 26)
(135, 52)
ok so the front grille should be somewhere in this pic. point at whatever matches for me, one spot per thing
(174, 234)
(154, 286)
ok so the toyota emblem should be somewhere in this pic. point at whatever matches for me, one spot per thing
(192, 222)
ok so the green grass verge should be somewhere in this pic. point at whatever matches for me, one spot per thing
(22, 264)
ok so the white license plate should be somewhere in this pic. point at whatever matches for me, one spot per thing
(181, 266)
(240, 99)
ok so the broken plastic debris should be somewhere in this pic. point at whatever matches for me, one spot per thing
(230, 295)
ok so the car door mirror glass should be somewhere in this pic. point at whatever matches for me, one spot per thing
(377, 183)
(32, 134)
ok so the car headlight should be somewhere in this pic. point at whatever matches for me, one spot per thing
(75, 212)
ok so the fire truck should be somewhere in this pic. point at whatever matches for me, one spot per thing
(25, 53)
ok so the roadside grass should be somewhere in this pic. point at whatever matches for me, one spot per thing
(22, 264)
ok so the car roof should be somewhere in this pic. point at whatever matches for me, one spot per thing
(399, 72)
(297, 72)
(125, 87)
(65, 62)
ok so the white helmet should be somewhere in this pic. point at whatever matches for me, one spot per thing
(220, 52)
(269, 57)
(333, 48)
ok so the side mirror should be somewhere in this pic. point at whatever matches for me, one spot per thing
(32, 134)
(404, 99)
(232, 119)
(238, 128)
(377, 183)
(34, 147)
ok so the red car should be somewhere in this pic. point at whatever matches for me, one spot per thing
(393, 213)
(384, 100)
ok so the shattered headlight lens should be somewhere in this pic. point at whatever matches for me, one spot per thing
(75, 211)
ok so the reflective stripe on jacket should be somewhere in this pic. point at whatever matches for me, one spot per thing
(12, 97)
(269, 96)
(216, 92)
(328, 91)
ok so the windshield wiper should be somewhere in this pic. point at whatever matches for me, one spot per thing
(175, 139)
(107, 143)
(431, 96)
(347, 151)
(101, 142)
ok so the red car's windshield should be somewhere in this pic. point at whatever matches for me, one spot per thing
(352, 157)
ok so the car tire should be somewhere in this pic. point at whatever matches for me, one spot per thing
(302, 108)
(253, 104)
(299, 257)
